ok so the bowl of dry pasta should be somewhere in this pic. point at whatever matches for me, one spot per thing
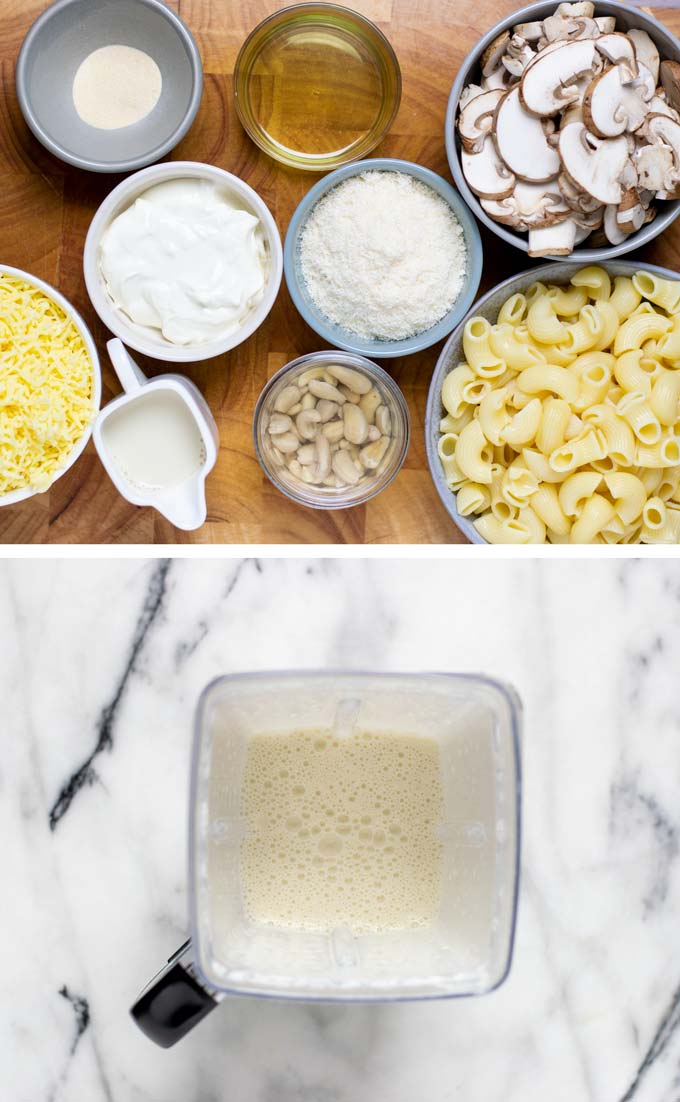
(50, 385)
(554, 409)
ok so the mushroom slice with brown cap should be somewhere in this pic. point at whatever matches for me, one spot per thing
(557, 240)
(630, 213)
(469, 93)
(579, 201)
(644, 82)
(594, 164)
(486, 173)
(645, 50)
(669, 71)
(491, 58)
(529, 205)
(518, 56)
(611, 107)
(522, 142)
(500, 78)
(659, 130)
(569, 28)
(619, 49)
(547, 83)
(476, 119)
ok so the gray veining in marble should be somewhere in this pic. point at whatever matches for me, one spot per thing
(102, 663)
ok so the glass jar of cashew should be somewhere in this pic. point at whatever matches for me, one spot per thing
(331, 430)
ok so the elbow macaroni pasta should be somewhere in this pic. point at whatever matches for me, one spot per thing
(563, 423)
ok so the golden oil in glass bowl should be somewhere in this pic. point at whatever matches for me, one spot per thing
(317, 85)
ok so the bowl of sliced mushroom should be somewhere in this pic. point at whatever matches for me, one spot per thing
(331, 430)
(563, 129)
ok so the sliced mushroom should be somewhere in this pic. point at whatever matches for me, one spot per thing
(580, 9)
(530, 32)
(468, 94)
(594, 164)
(615, 235)
(522, 143)
(491, 58)
(662, 133)
(500, 78)
(606, 23)
(555, 240)
(518, 56)
(644, 82)
(645, 50)
(611, 107)
(577, 200)
(529, 205)
(569, 28)
(486, 173)
(654, 164)
(669, 71)
(619, 49)
(630, 213)
(476, 119)
(658, 105)
(547, 85)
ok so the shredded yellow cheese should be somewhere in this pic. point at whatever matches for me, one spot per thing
(46, 386)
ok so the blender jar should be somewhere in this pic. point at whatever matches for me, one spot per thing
(465, 950)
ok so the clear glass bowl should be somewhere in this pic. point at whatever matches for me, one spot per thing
(316, 85)
(372, 482)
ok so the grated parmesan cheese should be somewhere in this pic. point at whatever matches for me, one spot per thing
(46, 386)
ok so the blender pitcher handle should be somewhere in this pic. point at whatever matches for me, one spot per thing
(174, 1001)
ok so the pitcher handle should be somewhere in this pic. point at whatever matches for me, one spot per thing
(174, 1001)
(130, 374)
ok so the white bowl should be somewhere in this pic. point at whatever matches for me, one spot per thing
(141, 337)
(77, 449)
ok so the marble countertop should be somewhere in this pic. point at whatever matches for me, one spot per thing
(102, 662)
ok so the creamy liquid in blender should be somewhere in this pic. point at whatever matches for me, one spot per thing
(342, 831)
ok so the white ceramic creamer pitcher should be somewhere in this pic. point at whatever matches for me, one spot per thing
(158, 441)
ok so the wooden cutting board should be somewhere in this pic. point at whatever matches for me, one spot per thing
(46, 209)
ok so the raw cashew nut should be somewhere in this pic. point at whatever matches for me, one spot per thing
(306, 455)
(321, 468)
(349, 395)
(372, 455)
(324, 390)
(345, 468)
(374, 432)
(383, 420)
(370, 403)
(307, 423)
(356, 425)
(287, 443)
(308, 402)
(278, 423)
(327, 409)
(334, 431)
(287, 398)
(354, 380)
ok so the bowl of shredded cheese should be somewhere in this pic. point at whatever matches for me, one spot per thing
(382, 258)
(50, 385)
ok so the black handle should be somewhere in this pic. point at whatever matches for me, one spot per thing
(174, 1002)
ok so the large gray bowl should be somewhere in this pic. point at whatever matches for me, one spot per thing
(452, 354)
(63, 36)
(626, 18)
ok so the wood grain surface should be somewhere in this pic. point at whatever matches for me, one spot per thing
(44, 216)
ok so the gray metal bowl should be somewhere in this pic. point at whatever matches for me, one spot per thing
(626, 18)
(452, 354)
(63, 36)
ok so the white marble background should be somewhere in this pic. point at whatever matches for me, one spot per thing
(101, 663)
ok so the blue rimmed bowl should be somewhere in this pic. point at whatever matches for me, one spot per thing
(342, 338)
(452, 354)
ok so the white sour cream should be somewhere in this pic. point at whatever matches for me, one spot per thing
(185, 260)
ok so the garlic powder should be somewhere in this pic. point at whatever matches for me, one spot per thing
(383, 256)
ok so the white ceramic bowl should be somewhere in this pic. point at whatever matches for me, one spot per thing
(140, 337)
(79, 447)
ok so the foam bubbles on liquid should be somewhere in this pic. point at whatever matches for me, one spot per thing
(324, 816)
